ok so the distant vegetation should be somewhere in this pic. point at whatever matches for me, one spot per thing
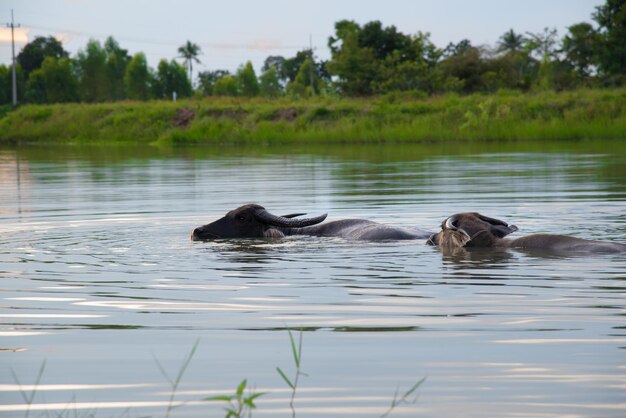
(366, 60)
(394, 117)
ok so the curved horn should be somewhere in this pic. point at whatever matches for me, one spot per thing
(492, 221)
(293, 215)
(268, 218)
(450, 223)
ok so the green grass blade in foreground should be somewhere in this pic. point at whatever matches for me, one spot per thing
(244, 405)
(28, 398)
(175, 382)
(403, 399)
(297, 358)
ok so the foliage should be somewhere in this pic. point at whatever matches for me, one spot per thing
(5, 84)
(54, 82)
(580, 47)
(171, 77)
(137, 79)
(543, 44)
(511, 41)
(307, 83)
(116, 62)
(33, 54)
(226, 86)
(366, 60)
(189, 52)
(269, 84)
(93, 72)
(407, 117)
(208, 79)
(611, 17)
(239, 405)
(248, 83)
(355, 66)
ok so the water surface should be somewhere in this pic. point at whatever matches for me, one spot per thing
(100, 281)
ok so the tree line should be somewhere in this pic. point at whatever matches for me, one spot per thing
(368, 59)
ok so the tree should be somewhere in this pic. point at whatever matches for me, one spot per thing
(511, 41)
(208, 79)
(455, 50)
(116, 62)
(32, 55)
(5, 84)
(54, 82)
(171, 77)
(36, 87)
(611, 17)
(306, 83)
(61, 80)
(94, 86)
(137, 79)
(382, 41)
(513, 70)
(248, 83)
(580, 46)
(416, 67)
(290, 67)
(189, 52)
(543, 43)
(467, 65)
(269, 85)
(355, 66)
(226, 86)
(275, 61)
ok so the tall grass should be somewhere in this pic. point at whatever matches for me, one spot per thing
(297, 359)
(588, 114)
(175, 382)
(29, 397)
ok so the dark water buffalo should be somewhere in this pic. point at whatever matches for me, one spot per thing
(473, 230)
(253, 221)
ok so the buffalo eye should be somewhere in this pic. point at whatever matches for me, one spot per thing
(241, 217)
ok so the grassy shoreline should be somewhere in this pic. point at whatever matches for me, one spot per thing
(581, 114)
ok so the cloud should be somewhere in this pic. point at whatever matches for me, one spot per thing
(258, 45)
(64, 37)
(21, 35)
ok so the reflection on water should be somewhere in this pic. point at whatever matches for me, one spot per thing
(99, 279)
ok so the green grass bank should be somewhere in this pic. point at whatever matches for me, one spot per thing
(582, 114)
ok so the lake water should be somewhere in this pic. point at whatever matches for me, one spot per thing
(100, 283)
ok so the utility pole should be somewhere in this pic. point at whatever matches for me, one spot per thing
(13, 26)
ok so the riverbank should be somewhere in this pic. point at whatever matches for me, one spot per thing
(582, 114)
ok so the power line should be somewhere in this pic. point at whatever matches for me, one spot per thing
(13, 26)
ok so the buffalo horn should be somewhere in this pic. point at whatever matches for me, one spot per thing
(450, 223)
(286, 222)
(293, 215)
(492, 221)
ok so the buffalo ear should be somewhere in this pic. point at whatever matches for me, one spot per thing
(502, 231)
(433, 239)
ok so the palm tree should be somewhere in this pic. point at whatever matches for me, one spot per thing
(190, 52)
(511, 41)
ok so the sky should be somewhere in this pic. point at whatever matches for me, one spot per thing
(233, 32)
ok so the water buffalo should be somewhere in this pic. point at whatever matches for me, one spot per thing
(253, 221)
(473, 230)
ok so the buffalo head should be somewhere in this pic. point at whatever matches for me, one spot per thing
(251, 221)
(470, 229)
